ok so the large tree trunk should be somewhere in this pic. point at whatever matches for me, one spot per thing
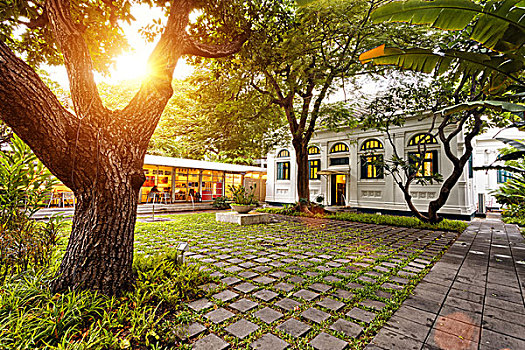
(96, 152)
(99, 255)
(303, 178)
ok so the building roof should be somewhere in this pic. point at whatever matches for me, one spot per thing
(199, 164)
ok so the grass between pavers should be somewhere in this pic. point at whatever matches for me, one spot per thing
(30, 316)
(393, 220)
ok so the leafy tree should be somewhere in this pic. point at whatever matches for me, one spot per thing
(424, 101)
(96, 151)
(497, 64)
(492, 70)
(217, 116)
(300, 60)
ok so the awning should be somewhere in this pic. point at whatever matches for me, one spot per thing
(333, 172)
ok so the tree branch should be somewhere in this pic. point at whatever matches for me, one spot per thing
(77, 59)
(34, 23)
(49, 133)
(195, 48)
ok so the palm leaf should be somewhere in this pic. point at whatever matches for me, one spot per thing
(512, 169)
(518, 144)
(501, 68)
(500, 106)
(500, 25)
(512, 156)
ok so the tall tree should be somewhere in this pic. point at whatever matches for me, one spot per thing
(95, 151)
(299, 60)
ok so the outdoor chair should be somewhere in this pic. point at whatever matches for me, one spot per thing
(152, 196)
(165, 198)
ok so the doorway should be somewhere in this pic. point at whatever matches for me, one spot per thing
(338, 189)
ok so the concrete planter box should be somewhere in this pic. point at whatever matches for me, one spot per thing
(243, 219)
(242, 209)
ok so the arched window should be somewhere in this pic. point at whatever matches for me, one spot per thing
(424, 164)
(339, 147)
(283, 153)
(372, 163)
(422, 138)
(314, 150)
(371, 144)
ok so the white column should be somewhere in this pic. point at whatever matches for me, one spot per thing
(352, 180)
(325, 190)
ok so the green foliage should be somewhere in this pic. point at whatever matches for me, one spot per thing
(520, 221)
(221, 202)
(32, 317)
(24, 181)
(243, 196)
(512, 193)
(214, 115)
(27, 31)
(403, 221)
(488, 68)
(26, 244)
(498, 24)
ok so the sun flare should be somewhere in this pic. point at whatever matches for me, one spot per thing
(130, 66)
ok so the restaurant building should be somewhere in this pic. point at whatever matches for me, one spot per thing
(179, 180)
(186, 180)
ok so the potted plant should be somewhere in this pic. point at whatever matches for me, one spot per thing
(243, 200)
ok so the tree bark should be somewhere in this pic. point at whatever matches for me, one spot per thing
(100, 251)
(301, 158)
(458, 164)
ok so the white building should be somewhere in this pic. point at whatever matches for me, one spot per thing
(339, 172)
(485, 153)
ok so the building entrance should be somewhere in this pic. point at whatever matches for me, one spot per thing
(338, 190)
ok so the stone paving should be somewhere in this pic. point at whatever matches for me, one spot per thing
(318, 284)
(473, 298)
(314, 283)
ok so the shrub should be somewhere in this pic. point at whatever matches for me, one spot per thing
(403, 221)
(240, 195)
(511, 194)
(31, 317)
(520, 221)
(26, 244)
(24, 182)
(221, 203)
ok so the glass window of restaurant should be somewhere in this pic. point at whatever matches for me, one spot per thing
(160, 176)
(187, 183)
(212, 184)
(232, 180)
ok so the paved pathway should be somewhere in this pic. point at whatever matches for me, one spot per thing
(304, 282)
(473, 298)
